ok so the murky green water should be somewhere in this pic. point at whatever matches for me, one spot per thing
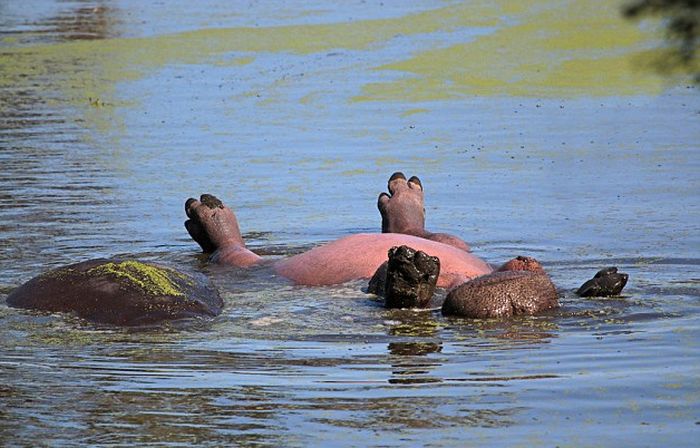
(532, 134)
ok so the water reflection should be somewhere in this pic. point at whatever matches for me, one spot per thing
(72, 20)
(88, 22)
(52, 179)
(415, 337)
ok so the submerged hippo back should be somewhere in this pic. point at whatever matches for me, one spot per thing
(119, 292)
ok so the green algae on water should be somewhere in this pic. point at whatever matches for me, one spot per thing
(551, 48)
(151, 279)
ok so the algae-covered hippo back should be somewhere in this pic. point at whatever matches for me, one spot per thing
(120, 292)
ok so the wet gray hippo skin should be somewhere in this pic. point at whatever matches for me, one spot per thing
(119, 292)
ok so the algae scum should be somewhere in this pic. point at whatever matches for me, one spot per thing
(152, 280)
(533, 48)
(536, 127)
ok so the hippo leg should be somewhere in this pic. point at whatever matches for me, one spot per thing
(403, 211)
(215, 228)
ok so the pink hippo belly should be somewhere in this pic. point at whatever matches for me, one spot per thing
(359, 256)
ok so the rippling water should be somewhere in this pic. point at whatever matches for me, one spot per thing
(113, 113)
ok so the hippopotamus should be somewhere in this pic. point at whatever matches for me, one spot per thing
(119, 292)
(519, 287)
(133, 293)
(214, 226)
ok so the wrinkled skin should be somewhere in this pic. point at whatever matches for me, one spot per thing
(410, 278)
(119, 292)
(522, 263)
(606, 283)
(520, 287)
(377, 283)
(403, 211)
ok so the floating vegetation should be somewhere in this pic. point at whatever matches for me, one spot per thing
(151, 279)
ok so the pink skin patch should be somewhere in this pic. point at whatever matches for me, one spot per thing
(359, 256)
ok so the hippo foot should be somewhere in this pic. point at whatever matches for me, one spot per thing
(407, 280)
(215, 228)
(211, 224)
(606, 283)
(119, 292)
(403, 211)
(521, 287)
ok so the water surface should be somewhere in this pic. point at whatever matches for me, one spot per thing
(531, 133)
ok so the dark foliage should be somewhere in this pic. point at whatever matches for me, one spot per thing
(682, 21)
